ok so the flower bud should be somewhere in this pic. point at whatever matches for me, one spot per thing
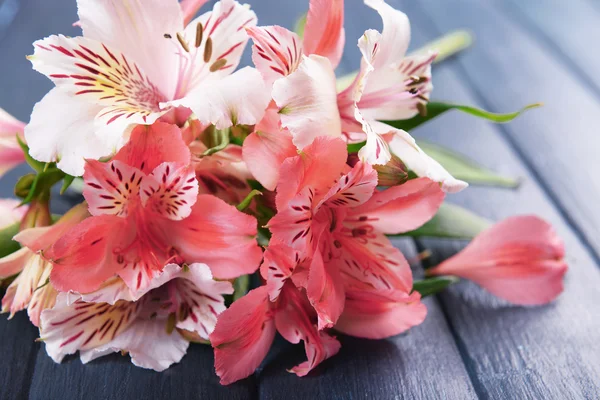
(393, 173)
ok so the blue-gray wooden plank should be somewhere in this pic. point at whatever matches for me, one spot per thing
(511, 67)
(548, 352)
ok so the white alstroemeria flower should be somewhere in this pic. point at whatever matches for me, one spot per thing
(136, 61)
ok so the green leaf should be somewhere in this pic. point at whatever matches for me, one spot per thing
(67, 181)
(300, 25)
(35, 164)
(7, 244)
(447, 45)
(431, 286)
(246, 202)
(435, 109)
(453, 222)
(462, 168)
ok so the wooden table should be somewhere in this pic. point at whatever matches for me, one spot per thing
(471, 345)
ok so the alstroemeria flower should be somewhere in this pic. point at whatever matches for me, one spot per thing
(135, 62)
(245, 331)
(147, 213)
(327, 208)
(31, 289)
(11, 154)
(390, 85)
(146, 326)
(519, 259)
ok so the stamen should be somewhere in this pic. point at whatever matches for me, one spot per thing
(167, 36)
(413, 91)
(183, 42)
(217, 65)
(425, 99)
(422, 109)
(208, 50)
(199, 31)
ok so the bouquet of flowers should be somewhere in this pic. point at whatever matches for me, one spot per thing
(223, 205)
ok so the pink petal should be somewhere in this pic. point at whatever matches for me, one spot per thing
(10, 212)
(243, 336)
(519, 259)
(83, 258)
(67, 328)
(317, 167)
(375, 151)
(403, 208)
(374, 318)
(9, 125)
(43, 297)
(240, 98)
(189, 8)
(278, 265)
(150, 146)
(14, 263)
(369, 262)
(307, 100)
(324, 32)
(10, 151)
(294, 323)
(325, 291)
(266, 148)
(395, 36)
(219, 235)
(21, 290)
(170, 191)
(276, 53)
(352, 189)
(136, 29)
(111, 188)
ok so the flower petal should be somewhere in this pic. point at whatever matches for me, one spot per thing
(50, 133)
(83, 258)
(294, 324)
(150, 146)
(10, 151)
(22, 288)
(189, 8)
(276, 53)
(83, 326)
(95, 73)
(518, 259)
(395, 36)
(405, 147)
(243, 336)
(325, 291)
(219, 235)
(216, 41)
(266, 148)
(307, 100)
(14, 263)
(240, 98)
(43, 297)
(375, 151)
(137, 29)
(293, 226)
(374, 318)
(403, 208)
(278, 265)
(170, 191)
(324, 33)
(352, 189)
(111, 188)
(316, 167)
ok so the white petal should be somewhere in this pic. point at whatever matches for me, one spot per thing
(307, 100)
(66, 133)
(137, 29)
(240, 98)
(405, 147)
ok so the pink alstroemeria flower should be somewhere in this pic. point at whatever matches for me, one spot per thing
(146, 212)
(245, 331)
(10, 212)
(11, 154)
(390, 85)
(135, 62)
(31, 289)
(149, 326)
(332, 214)
(519, 259)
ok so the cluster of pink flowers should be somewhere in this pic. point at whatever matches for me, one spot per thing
(172, 143)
